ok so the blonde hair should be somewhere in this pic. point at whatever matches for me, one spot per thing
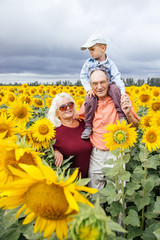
(52, 113)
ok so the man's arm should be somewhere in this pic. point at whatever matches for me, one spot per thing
(126, 106)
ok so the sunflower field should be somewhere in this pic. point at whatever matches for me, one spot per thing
(40, 201)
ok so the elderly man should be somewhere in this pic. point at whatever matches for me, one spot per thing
(105, 114)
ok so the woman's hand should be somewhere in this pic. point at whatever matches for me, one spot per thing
(58, 158)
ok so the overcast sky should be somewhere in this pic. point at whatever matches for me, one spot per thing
(41, 39)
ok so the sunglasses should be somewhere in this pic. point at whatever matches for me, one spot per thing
(64, 107)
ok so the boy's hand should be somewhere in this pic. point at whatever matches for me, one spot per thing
(90, 94)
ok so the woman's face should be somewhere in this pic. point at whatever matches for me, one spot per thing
(65, 109)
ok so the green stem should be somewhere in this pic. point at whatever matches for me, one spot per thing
(144, 191)
(123, 195)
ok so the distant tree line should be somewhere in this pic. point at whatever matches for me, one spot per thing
(128, 82)
(150, 81)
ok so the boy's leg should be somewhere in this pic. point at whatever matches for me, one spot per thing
(115, 94)
(90, 108)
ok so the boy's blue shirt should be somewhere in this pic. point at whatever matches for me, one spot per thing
(108, 65)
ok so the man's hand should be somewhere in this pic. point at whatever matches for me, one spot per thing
(58, 158)
(90, 93)
(126, 105)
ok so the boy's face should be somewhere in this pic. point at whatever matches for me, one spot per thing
(97, 51)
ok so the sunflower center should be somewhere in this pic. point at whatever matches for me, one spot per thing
(43, 129)
(38, 102)
(27, 158)
(11, 98)
(147, 122)
(10, 160)
(156, 93)
(156, 106)
(4, 128)
(47, 201)
(21, 113)
(151, 137)
(120, 136)
(144, 98)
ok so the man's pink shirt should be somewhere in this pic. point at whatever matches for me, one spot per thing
(105, 114)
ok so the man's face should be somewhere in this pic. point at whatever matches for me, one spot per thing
(99, 84)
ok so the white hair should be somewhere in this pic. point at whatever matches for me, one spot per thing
(52, 113)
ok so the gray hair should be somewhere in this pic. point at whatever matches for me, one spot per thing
(52, 113)
(101, 69)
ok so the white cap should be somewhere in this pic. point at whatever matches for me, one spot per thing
(92, 40)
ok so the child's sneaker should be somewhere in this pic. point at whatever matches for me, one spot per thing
(86, 133)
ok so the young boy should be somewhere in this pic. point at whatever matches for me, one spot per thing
(97, 45)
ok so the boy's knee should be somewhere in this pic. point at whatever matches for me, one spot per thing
(90, 101)
(114, 88)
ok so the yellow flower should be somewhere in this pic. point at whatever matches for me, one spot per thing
(7, 125)
(43, 130)
(120, 134)
(155, 121)
(154, 106)
(12, 155)
(21, 112)
(38, 102)
(9, 98)
(26, 99)
(145, 121)
(144, 99)
(48, 102)
(45, 198)
(151, 138)
(156, 92)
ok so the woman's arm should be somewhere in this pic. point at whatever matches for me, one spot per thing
(126, 106)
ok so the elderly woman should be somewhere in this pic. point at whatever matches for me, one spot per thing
(62, 114)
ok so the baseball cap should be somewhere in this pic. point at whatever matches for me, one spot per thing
(92, 40)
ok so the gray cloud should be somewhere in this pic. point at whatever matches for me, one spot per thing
(44, 37)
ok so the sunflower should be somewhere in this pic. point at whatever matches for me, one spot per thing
(155, 121)
(21, 129)
(21, 112)
(48, 102)
(81, 92)
(7, 124)
(26, 99)
(120, 135)
(43, 130)
(38, 102)
(10, 98)
(79, 101)
(151, 138)
(145, 121)
(144, 99)
(45, 198)
(34, 142)
(156, 92)
(24, 85)
(154, 106)
(1, 100)
(11, 155)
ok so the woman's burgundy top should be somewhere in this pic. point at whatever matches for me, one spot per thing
(69, 143)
